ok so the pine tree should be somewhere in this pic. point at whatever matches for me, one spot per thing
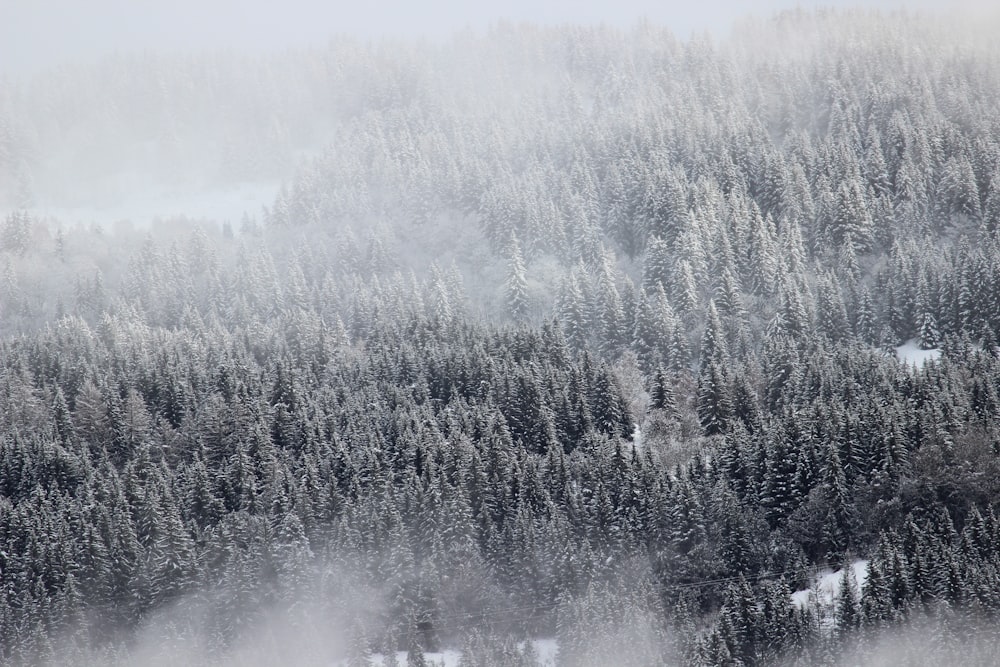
(685, 288)
(831, 313)
(927, 331)
(573, 312)
(613, 323)
(991, 206)
(864, 322)
(761, 264)
(852, 222)
(662, 395)
(415, 655)
(876, 605)
(715, 409)
(792, 319)
(15, 232)
(838, 524)
(746, 408)
(713, 340)
(958, 190)
(656, 267)
(926, 325)
(779, 495)
(645, 339)
(847, 615)
(728, 298)
(516, 285)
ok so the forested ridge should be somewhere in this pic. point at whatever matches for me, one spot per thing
(566, 332)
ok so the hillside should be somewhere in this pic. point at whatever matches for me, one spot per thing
(549, 332)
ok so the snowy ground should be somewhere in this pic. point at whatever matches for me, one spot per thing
(827, 585)
(143, 207)
(910, 354)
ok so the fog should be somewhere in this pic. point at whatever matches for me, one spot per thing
(42, 33)
(937, 636)
(204, 158)
(320, 621)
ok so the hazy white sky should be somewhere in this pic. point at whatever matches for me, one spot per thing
(38, 33)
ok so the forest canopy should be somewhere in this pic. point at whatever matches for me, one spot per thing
(567, 332)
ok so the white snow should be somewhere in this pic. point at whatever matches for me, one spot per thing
(546, 650)
(910, 354)
(827, 585)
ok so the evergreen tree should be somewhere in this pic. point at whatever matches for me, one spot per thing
(516, 286)
(656, 267)
(715, 407)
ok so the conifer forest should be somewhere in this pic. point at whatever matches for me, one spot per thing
(566, 345)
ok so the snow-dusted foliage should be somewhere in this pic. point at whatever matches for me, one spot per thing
(576, 333)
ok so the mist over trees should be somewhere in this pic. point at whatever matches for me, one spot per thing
(567, 332)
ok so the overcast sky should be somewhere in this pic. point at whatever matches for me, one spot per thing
(39, 33)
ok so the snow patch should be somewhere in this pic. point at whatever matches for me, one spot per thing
(826, 586)
(546, 650)
(910, 354)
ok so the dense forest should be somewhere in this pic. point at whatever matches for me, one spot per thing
(578, 333)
